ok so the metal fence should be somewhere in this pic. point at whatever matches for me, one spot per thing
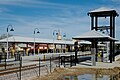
(22, 68)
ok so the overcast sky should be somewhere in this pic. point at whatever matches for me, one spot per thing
(69, 16)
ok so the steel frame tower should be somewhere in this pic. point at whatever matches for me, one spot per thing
(105, 12)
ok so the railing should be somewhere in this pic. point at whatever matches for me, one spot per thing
(24, 65)
(33, 66)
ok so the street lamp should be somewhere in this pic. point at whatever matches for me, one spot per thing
(11, 29)
(34, 37)
(65, 40)
(53, 37)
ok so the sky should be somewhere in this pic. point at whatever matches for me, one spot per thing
(68, 16)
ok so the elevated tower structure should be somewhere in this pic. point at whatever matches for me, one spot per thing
(110, 29)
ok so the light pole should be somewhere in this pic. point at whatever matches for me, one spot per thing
(53, 37)
(34, 37)
(65, 40)
(11, 29)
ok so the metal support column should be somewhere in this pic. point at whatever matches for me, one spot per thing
(111, 42)
(92, 22)
(93, 52)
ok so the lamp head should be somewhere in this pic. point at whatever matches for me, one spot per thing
(64, 35)
(56, 33)
(12, 29)
(38, 32)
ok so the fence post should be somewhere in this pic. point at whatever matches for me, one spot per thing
(20, 66)
(70, 60)
(59, 60)
(0, 57)
(5, 61)
(64, 60)
(74, 60)
(39, 66)
(44, 57)
(50, 64)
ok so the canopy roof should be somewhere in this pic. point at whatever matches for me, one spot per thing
(94, 35)
(84, 42)
(117, 42)
(19, 39)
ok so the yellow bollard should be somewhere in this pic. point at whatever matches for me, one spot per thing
(27, 51)
(38, 50)
(55, 50)
(13, 52)
(66, 50)
(47, 50)
(59, 50)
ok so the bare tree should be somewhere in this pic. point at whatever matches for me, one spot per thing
(3, 36)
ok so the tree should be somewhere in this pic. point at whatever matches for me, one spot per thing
(3, 36)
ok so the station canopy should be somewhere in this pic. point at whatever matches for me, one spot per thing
(19, 39)
(89, 36)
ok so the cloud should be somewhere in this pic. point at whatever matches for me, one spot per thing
(112, 2)
(2, 10)
(36, 4)
(116, 1)
(70, 19)
(71, 24)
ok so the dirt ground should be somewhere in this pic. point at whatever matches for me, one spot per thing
(59, 73)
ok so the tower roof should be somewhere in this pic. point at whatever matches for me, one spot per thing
(103, 11)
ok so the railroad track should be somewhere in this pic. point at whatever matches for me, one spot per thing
(25, 67)
(16, 69)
